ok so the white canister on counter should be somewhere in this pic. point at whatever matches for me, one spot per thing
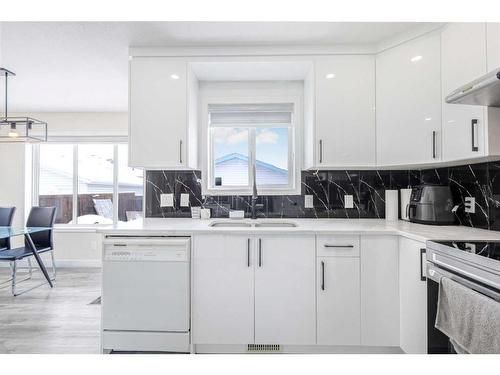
(391, 205)
(405, 195)
(205, 213)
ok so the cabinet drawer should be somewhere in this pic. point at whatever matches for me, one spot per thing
(337, 246)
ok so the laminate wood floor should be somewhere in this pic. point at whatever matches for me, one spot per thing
(58, 320)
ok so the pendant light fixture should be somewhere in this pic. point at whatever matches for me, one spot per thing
(20, 129)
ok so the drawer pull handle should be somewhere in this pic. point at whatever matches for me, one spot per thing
(422, 263)
(475, 147)
(339, 246)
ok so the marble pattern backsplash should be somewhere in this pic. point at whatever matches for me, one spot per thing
(328, 188)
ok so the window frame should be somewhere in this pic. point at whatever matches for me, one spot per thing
(74, 143)
(294, 147)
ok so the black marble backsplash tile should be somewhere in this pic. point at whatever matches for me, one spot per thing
(481, 181)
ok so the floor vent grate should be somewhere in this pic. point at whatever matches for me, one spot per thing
(263, 348)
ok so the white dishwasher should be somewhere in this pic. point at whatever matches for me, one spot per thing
(145, 293)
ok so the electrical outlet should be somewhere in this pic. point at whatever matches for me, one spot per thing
(184, 200)
(348, 201)
(308, 201)
(470, 205)
(166, 200)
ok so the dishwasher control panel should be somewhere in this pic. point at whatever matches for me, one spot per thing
(158, 251)
(170, 255)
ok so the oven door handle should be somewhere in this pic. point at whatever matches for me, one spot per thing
(435, 274)
(465, 273)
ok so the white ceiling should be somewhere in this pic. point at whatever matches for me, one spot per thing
(82, 66)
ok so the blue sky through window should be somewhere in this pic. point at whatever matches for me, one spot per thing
(230, 152)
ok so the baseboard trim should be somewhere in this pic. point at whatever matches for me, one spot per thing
(300, 349)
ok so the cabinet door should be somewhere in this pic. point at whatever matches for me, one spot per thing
(158, 112)
(285, 298)
(223, 290)
(493, 38)
(338, 291)
(345, 111)
(409, 102)
(412, 297)
(379, 291)
(463, 59)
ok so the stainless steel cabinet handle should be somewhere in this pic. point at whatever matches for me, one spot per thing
(322, 275)
(339, 246)
(434, 144)
(422, 262)
(248, 252)
(321, 151)
(473, 124)
(180, 151)
(260, 252)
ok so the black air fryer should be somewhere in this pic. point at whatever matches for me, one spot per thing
(431, 204)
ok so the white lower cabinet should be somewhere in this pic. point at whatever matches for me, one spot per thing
(338, 296)
(413, 296)
(379, 291)
(254, 289)
(284, 290)
(300, 290)
(223, 290)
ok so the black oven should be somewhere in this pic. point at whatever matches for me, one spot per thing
(473, 264)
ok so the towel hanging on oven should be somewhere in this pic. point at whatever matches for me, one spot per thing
(470, 319)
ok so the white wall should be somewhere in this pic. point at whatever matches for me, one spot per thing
(12, 183)
(77, 248)
(73, 248)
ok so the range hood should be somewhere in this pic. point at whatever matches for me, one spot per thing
(482, 91)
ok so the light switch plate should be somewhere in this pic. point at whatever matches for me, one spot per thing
(308, 201)
(166, 200)
(470, 205)
(348, 201)
(184, 200)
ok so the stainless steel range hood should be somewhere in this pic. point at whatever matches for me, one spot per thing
(483, 91)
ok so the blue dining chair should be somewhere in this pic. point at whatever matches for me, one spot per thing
(38, 217)
(6, 217)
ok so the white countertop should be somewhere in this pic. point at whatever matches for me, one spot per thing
(419, 232)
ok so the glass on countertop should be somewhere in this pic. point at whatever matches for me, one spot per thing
(6, 232)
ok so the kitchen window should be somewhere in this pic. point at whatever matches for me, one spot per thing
(244, 139)
(89, 183)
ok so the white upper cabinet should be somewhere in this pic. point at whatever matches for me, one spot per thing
(409, 102)
(158, 113)
(345, 111)
(463, 59)
(493, 51)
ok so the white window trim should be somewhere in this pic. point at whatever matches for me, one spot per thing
(294, 147)
(74, 142)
